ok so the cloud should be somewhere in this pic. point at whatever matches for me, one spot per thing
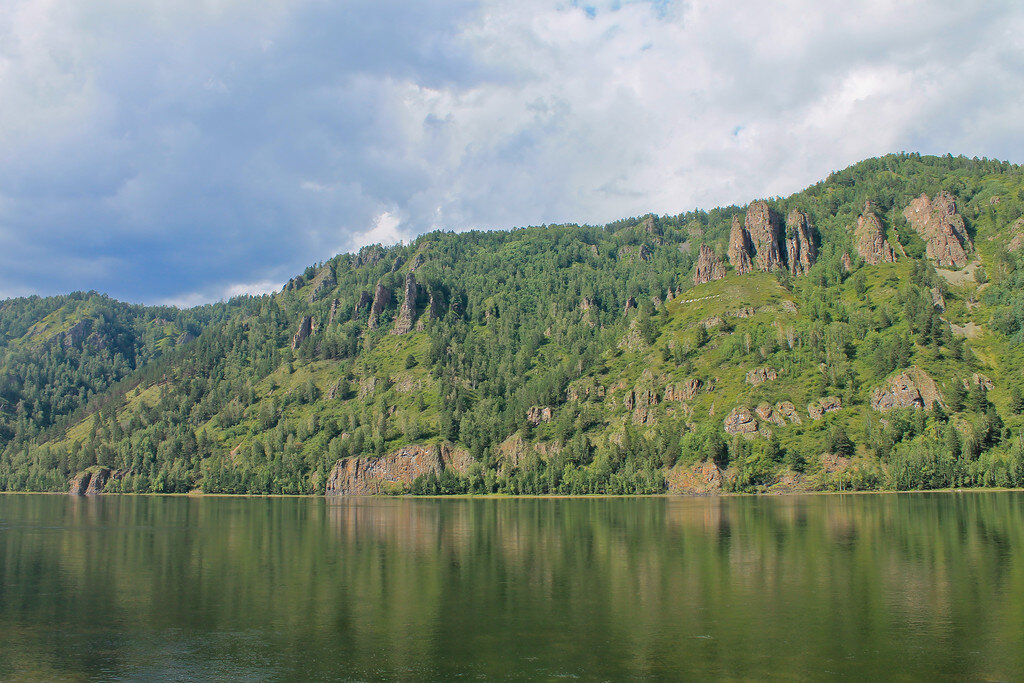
(169, 150)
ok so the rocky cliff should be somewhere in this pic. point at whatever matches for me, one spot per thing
(740, 248)
(870, 238)
(762, 224)
(709, 267)
(394, 472)
(381, 300)
(407, 313)
(941, 227)
(801, 245)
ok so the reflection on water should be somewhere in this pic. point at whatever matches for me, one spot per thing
(916, 585)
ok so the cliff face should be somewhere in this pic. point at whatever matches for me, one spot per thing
(305, 329)
(407, 313)
(942, 228)
(762, 224)
(381, 300)
(740, 248)
(870, 239)
(394, 472)
(709, 266)
(801, 248)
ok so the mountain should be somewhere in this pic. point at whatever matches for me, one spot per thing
(865, 333)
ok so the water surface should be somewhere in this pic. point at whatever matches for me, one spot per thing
(907, 586)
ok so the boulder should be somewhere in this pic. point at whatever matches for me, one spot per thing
(741, 421)
(769, 414)
(912, 388)
(801, 246)
(941, 227)
(709, 267)
(740, 248)
(788, 410)
(870, 239)
(823, 405)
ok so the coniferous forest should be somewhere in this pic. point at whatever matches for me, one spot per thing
(865, 333)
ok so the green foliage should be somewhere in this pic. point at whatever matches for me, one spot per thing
(220, 399)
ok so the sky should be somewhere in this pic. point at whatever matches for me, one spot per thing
(185, 151)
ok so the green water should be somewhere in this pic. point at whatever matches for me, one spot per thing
(906, 586)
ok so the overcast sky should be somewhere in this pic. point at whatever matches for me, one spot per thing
(188, 150)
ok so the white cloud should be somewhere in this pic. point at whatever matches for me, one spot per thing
(184, 145)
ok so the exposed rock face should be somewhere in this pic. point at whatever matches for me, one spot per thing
(184, 338)
(762, 224)
(90, 482)
(937, 222)
(632, 252)
(365, 299)
(305, 329)
(407, 313)
(537, 414)
(759, 376)
(769, 414)
(740, 248)
(381, 299)
(823, 405)
(870, 238)
(913, 388)
(741, 421)
(687, 391)
(334, 311)
(709, 267)
(394, 472)
(76, 334)
(702, 479)
(801, 248)
(847, 263)
(788, 410)
(979, 380)
(323, 282)
(630, 305)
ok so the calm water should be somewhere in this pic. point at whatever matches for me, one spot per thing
(907, 586)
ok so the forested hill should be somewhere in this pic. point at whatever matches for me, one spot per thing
(865, 333)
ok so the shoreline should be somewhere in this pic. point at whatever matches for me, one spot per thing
(504, 496)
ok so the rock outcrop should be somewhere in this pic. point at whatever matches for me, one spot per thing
(407, 313)
(826, 404)
(323, 282)
(709, 267)
(740, 248)
(334, 312)
(394, 472)
(801, 247)
(912, 388)
(787, 409)
(762, 224)
(305, 329)
(768, 414)
(92, 481)
(942, 228)
(381, 299)
(741, 421)
(537, 414)
(701, 479)
(685, 391)
(759, 376)
(870, 239)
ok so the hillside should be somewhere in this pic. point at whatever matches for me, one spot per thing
(864, 333)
